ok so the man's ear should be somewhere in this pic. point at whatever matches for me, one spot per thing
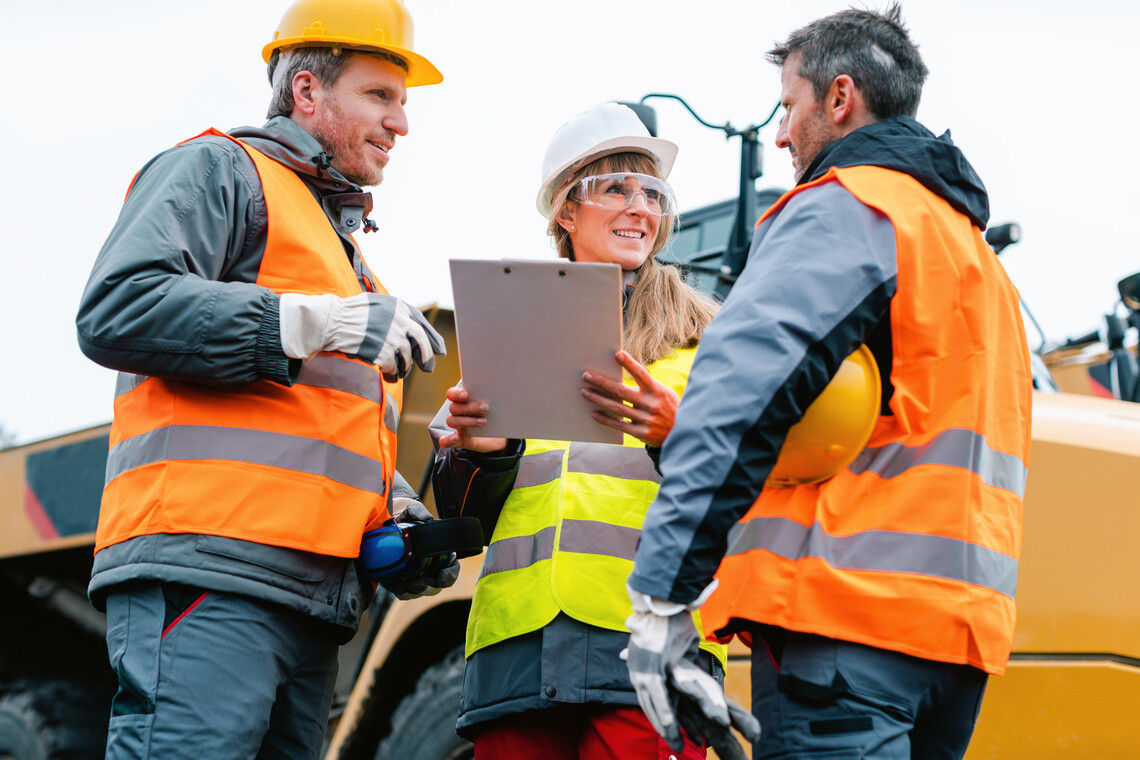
(305, 87)
(843, 101)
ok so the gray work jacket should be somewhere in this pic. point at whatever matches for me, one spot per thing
(172, 294)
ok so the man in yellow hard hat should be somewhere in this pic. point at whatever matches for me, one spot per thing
(876, 602)
(253, 441)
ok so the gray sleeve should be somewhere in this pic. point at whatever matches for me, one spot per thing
(171, 293)
(819, 278)
(401, 489)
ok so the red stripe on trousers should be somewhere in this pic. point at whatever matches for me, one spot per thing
(185, 612)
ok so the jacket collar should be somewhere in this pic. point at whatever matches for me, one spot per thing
(283, 140)
(902, 144)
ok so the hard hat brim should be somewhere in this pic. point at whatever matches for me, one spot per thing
(421, 71)
(663, 152)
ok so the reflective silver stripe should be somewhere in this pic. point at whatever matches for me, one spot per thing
(322, 371)
(952, 448)
(391, 413)
(629, 462)
(594, 537)
(125, 382)
(538, 469)
(518, 552)
(380, 316)
(290, 452)
(341, 374)
(879, 550)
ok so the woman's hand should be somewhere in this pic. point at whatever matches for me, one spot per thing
(464, 415)
(648, 416)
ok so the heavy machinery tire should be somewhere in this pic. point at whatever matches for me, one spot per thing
(423, 725)
(51, 720)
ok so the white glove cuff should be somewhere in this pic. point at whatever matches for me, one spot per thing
(303, 322)
(325, 322)
(645, 603)
(348, 323)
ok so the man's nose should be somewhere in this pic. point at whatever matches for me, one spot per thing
(782, 140)
(396, 120)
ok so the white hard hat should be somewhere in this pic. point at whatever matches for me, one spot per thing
(600, 130)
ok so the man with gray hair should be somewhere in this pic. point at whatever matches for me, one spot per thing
(253, 441)
(877, 601)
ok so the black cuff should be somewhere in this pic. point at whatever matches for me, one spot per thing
(270, 361)
(498, 461)
(654, 453)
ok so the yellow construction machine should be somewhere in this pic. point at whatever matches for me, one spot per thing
(1070, 691)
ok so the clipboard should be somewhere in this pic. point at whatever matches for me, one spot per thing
(527, 330)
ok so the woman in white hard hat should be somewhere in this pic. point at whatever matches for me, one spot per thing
(544, 678)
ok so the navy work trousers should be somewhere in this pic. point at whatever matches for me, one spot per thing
(822, 698)
(209, 675)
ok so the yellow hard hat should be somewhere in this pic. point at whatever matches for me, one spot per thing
(356, 24)
(836, 426)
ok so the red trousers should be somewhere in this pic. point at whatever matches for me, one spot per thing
(573, 732)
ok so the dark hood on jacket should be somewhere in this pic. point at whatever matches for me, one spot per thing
(283, 140)
(902, 144)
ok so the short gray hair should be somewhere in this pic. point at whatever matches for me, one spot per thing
(325, 63)
(873, 48)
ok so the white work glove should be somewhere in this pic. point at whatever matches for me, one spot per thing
(674, 691)
(444, 572)
(377, 328)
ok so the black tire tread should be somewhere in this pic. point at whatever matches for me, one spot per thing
(423, 725)
(52, 720)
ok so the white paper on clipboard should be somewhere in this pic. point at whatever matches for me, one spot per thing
(527, 330)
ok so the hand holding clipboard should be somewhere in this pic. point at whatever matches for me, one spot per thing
(527, 330)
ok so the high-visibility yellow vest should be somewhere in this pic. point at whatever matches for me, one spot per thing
(567, 535)
(304, 467)
(913, 547)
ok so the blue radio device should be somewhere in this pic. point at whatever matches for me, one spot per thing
(403, 551)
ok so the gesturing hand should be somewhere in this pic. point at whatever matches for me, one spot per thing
(645, 412)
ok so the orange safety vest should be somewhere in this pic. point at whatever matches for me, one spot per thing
(305, 467)
(914, 547)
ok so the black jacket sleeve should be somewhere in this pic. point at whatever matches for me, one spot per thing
(471, 484)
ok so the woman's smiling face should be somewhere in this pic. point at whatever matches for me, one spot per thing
(622, 236)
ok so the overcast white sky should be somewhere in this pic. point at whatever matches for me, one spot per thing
(1035, 93)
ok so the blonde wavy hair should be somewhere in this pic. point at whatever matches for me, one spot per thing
(663, 313)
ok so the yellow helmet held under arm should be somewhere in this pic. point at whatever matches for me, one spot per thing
(836, 426)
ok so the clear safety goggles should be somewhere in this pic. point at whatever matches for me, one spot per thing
(618, 191)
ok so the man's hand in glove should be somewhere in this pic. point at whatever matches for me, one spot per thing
(674, 691)
(377, 328)
(444, 571)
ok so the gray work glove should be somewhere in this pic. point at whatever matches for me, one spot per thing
(444, 571)
(673, 690)
(377, 328)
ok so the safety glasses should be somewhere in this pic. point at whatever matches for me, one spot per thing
(619, 190)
